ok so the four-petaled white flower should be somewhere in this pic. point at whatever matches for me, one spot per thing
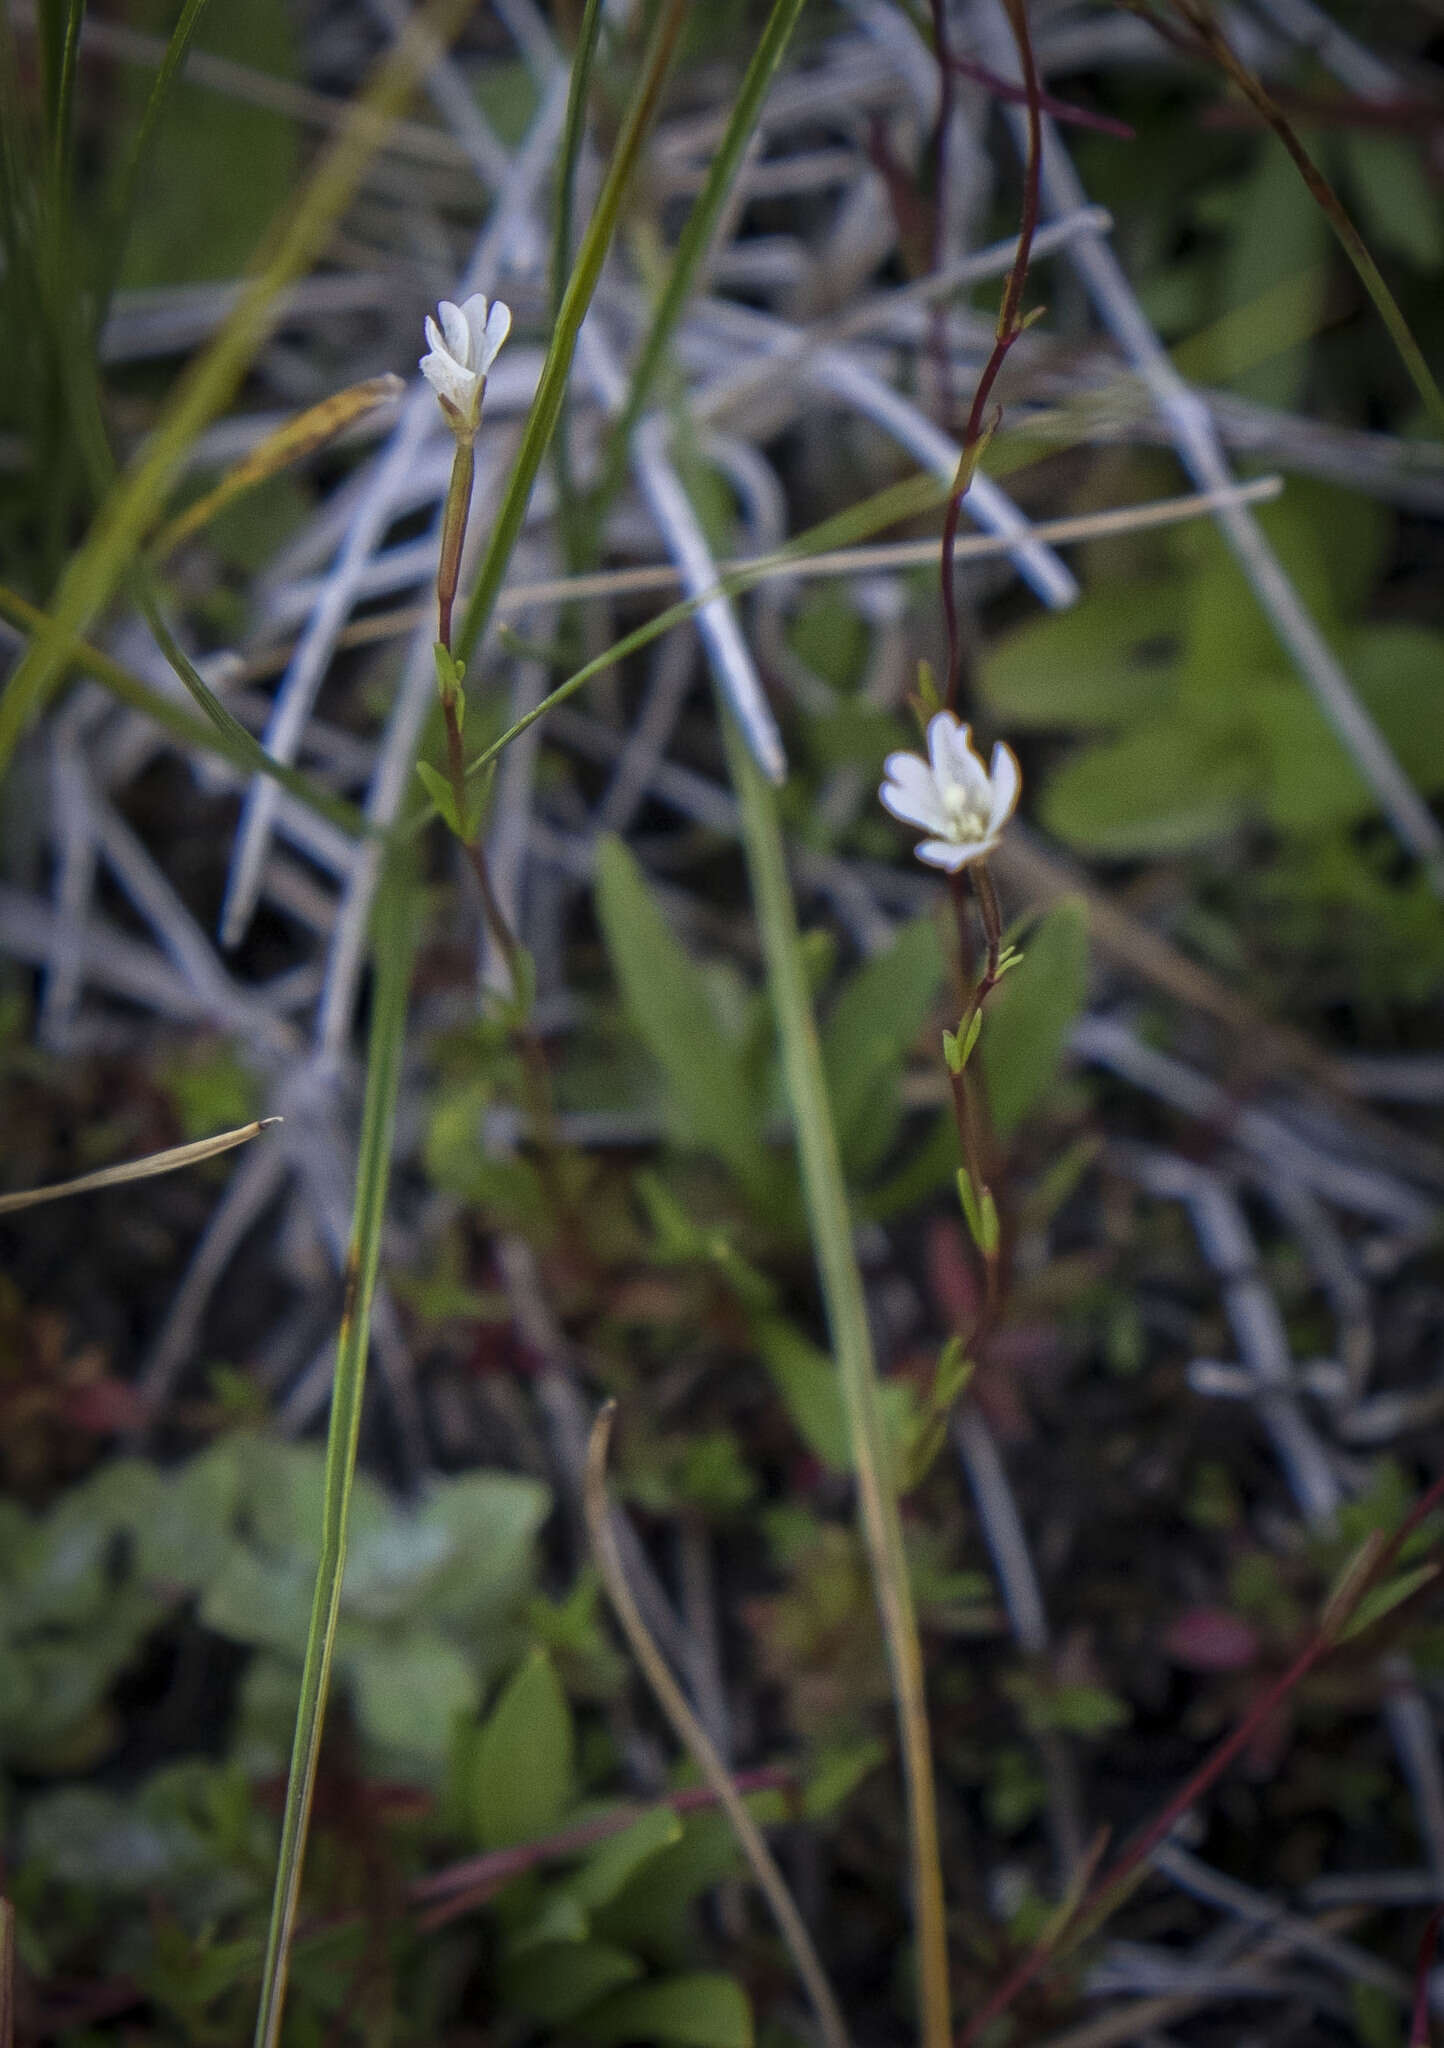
(952, 795)
(463, 349)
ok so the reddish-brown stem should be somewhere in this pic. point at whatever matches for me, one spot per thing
(1016, 96)
(1009, 327)
(1423, 1971)
(975, 1137)
(1103, 1896)
(453, 537)
(461, 1887)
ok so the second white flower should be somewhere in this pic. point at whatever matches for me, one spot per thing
(961, 804)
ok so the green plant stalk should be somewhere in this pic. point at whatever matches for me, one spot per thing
(391, 947)
(827, 1206)
(65, 97)
(693, 243)
(578, 87)
(98, 565)
(113, 256)
(696, 1741)
(220, 733)
(1201, 21)
(897, 501)
(551, 386)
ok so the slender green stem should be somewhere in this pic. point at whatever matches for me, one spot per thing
(65, 101)
(221, 733)
(97, 567)
(694, 241)
(551, 386)
(1201, 20)
(112, 257)
(453, 538)
(827, 1205)
(578, 88)
(392, 950)
(898, 501)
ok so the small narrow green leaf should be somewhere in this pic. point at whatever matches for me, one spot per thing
(670, 1007)
(1381, 1600)
(1032, 1013)
(441, 794)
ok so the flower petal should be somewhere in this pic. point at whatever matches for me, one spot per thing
(942, 730)
(458, 333)
(911, 793)
(1006, 779)
(959, 765)
(474, 313)
(435, 339)
(945, 853)
(498, 327)
(452, 385)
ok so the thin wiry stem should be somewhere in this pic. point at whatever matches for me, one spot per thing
(698, 1744)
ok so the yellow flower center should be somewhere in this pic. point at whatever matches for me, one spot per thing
(967, 820)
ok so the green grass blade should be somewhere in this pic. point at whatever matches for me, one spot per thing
(827, 1208)
(65, 97)
(578, 87)
(99, 564)
(693, 243)
(551, 386)
(220, 732)
(113, 256)
(391, 949)
(898, 501)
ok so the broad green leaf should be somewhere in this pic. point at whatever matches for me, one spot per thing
(838, 1772)
(1397, 205)
(410, 1689)
(219, 168)
(700, 2010)
(668, 1002)
(1278, 233)
(826, 633)
(1399, 672)
(491, 1520)
(522, 1764)
(651, 1912)
(866, 1039)
(1161, 789)
(1107, 661)
(1330, 541)
(811, 1391)
(555, 1983)
(1031, 1012)
(618, 1860)
(1310, 781)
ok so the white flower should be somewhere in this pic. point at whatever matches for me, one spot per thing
(463, 349)
(952, 795)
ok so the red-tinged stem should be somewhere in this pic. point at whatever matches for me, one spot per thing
(1009, 327)
(1103, 1896)
(1060, 110)
(1423, 1970)
(975, 1134)
(461, 1887)
(453, 537)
